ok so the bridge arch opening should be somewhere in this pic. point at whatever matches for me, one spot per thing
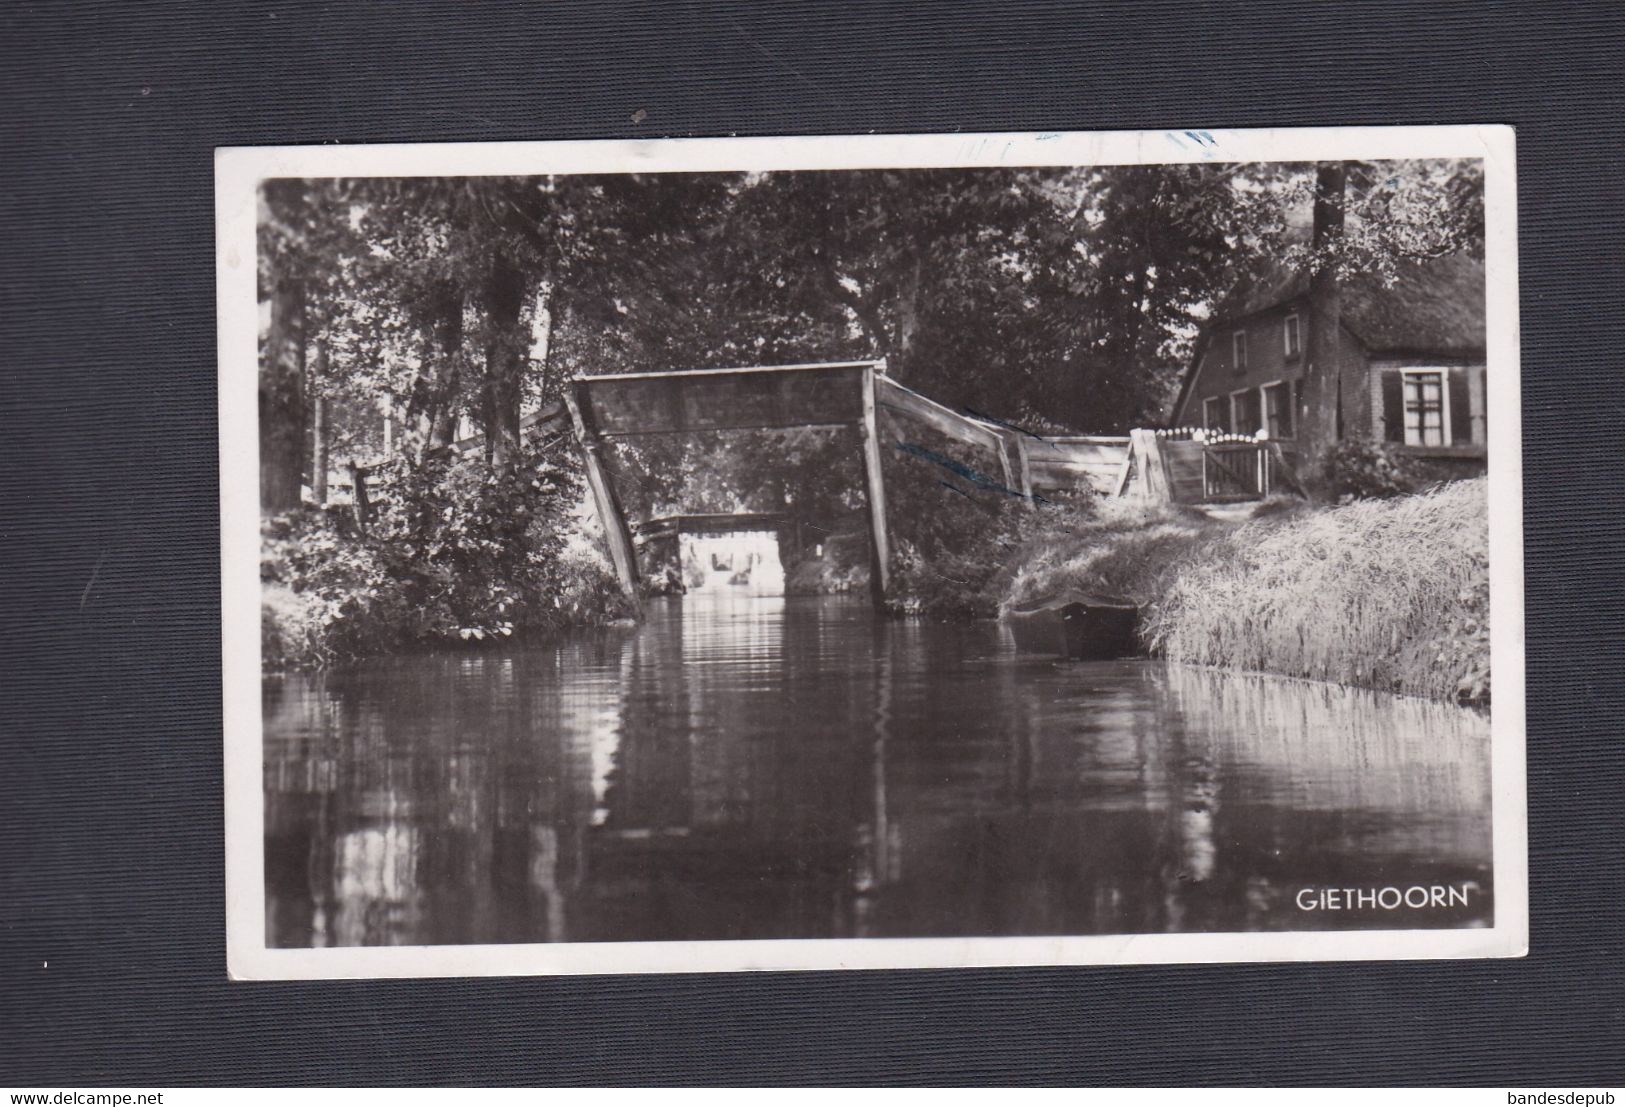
(745, 561)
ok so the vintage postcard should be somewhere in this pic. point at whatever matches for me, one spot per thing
(871, 552)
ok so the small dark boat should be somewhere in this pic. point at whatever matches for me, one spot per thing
(1075, 624)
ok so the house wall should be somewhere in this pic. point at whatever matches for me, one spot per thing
(1355, 370)
(1362, 375)
(1267, 360)
(1269, 363)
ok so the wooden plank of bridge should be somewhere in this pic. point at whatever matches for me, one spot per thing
(960, 428)
(943, 420)
(629, 404)
(880, 545)
(616, 531)
(1026, 465)
(1005, 471)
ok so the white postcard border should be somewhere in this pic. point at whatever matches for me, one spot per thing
(238, 172)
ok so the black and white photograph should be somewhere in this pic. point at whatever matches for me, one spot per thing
(871, 552)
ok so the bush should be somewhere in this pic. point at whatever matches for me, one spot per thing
(1365, 469)
(844, 567)
(325, 596)
(456, 553)
(957, 531)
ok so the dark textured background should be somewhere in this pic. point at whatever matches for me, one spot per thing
(110, 809)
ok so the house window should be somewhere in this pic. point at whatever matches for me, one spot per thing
(1214, 412)
(1278, 409)
(1292, 336)
(1238, 351)
(1245, 416)
(1427, 416)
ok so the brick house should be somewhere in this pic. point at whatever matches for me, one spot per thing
(1412, 362)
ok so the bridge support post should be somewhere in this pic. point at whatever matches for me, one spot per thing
(1006, 471)
(1024, 468)
(616, 533)
(875, 486)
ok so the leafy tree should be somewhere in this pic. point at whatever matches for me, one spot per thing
(1149, 248)
(1399, 211)
(305, 252)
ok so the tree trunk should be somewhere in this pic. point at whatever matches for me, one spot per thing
(1321, 411)
(908, 313)
(546, 301)
(443, 427)
(360, 503)
(505, 351)
(1132, 367)
(282, 401)
(870, 320)
(446, 382)
(318, 435)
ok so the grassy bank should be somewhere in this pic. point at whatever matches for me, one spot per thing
(1390, 594)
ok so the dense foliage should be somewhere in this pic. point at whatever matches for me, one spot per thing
(1064, 297)
(1366, 469)
(453, 553)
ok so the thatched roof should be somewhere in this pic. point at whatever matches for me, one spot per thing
(1433, 306)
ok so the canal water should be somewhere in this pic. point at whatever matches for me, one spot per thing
(762, 767)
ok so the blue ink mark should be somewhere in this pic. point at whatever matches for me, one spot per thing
(959, 470)
(965, 472)
(1018, 428)
(1203, 140)
(1046, 136)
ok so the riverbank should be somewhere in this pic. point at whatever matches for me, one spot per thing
(452, 554)
(1388, 594)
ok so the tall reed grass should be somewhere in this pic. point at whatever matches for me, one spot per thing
(1387, 594)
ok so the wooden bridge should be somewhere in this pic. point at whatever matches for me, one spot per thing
(834, 395)
(623, 405)
(1185, 466)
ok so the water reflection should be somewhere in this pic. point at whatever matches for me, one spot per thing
(759, 767)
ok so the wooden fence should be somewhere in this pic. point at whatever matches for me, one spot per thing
(1192, 467)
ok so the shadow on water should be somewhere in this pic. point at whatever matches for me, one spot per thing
(757, 767)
